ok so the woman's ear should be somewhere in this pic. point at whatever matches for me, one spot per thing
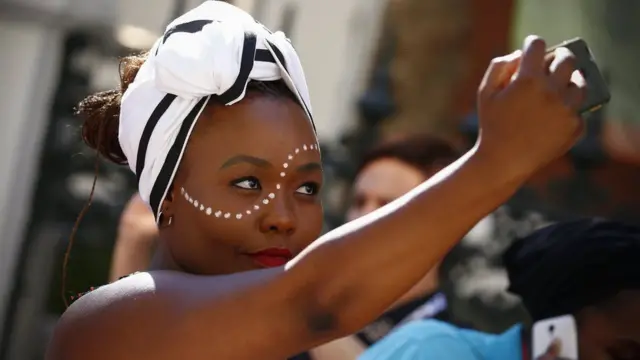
(167, 209)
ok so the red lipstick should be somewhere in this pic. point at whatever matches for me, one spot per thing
(273, 257)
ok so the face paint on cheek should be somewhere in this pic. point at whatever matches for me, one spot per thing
(219, 213)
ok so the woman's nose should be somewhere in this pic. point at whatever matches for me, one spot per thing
(279, 217)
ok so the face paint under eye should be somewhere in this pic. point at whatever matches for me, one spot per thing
(221, 214)
(252, 183)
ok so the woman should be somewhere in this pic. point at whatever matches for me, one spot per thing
(238, 200)
(387, 172)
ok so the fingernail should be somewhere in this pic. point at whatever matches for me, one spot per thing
(578, 79)
(514, 55)
(528, 40)
(562, 51)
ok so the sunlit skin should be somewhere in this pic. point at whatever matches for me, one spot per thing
(233, 172)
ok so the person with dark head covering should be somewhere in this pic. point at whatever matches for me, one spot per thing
(588, 268)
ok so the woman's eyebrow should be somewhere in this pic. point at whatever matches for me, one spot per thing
(246, 159)
(312, 166)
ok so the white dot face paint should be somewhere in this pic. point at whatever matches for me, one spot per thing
(197, 204)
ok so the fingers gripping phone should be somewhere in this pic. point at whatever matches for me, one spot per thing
(561, 328)
(597, 92)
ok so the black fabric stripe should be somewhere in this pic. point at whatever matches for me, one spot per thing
(190, 27)
(284, 64)
(246, 65)
(264, 56)
(173, 157)
(279, 56)
(157, 113)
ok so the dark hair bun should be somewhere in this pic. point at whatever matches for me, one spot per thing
(101, 113)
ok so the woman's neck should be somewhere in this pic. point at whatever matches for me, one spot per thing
(162, 259)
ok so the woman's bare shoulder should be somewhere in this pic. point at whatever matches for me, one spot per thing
(157, 315)
(98, 321)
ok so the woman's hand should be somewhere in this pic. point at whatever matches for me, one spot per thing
(528, 108)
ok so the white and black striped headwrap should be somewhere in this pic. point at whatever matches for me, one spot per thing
(213, 50)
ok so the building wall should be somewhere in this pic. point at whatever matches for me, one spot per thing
(336, 40)
(27, 76)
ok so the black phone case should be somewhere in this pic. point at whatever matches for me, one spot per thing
(597, 89)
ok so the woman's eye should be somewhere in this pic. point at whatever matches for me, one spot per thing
(249, 183)
(308, 189)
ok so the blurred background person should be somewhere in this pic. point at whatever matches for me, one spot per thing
(586, 268)
(137, 237)
(387, 172)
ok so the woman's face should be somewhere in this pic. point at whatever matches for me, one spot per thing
(381, 182)
(246, 193)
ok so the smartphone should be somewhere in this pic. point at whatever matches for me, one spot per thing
(597, 90)
(562, 328)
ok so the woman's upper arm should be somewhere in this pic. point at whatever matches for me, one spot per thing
(172, 316)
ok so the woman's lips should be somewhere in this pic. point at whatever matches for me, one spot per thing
(273, 257)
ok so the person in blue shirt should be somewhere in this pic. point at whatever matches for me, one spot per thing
(587, 267)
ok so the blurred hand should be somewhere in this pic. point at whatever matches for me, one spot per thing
(527, 107)
(552, 352)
